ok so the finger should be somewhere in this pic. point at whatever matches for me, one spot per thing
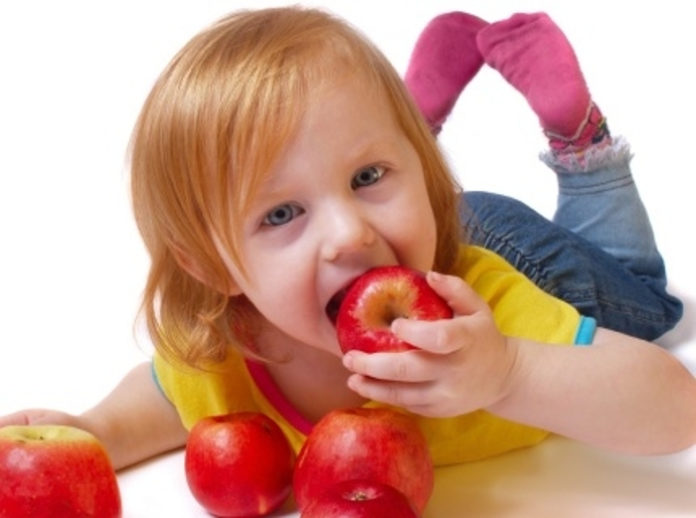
(403, 395)
(405, 366)
(439, 337)
(459, 295)
(36, 417)
(18, 418)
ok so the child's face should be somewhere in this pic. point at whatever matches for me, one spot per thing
(347, 194)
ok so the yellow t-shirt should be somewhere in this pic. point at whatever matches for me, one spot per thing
(519, 308)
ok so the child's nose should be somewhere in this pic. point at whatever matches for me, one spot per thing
(346, 230)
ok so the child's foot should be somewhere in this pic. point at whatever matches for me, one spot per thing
(533, 55)
(442, 63)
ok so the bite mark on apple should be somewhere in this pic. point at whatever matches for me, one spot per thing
(378, 297)
(377, 308)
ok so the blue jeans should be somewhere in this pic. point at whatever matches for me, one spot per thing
(598, 254)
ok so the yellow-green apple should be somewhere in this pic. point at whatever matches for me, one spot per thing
(377, 444)
(360, 499)
(376, 299)
(56, 471)
(239, 464)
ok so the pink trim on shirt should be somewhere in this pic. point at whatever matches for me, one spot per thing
(260, 375)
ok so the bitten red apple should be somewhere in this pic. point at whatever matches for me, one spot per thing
(360, 499)
(55, 472)
(376, 299)
(239, 464)
(376, 444)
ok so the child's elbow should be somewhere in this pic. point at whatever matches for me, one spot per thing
(689, 402)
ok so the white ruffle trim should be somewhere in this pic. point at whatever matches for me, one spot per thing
(593, 158)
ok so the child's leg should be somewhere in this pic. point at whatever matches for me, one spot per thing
(553, 255)
(603, 205)
(570, 267)
(597, 197)
(442, 63)
(598, 200)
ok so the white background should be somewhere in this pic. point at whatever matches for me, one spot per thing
(74, 75)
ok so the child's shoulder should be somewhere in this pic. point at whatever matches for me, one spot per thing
(519, 306)
(474, 261)
(490, 275)
(493, 277)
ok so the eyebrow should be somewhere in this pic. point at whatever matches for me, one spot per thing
(384, 144)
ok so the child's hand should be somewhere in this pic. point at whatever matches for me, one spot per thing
(39, 416)
(462, 364)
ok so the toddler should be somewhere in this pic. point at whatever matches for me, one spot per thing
(277, 158)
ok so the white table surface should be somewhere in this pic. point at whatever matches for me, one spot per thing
(559, 478)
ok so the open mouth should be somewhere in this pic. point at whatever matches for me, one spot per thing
(335, 304)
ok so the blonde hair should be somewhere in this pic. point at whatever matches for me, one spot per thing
(211, 128)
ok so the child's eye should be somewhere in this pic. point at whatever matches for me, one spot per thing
(367, 176)
(282, 214)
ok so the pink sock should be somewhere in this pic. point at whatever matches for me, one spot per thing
(533, 55)
(444, 60)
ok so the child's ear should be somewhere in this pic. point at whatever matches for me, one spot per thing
(228, 287)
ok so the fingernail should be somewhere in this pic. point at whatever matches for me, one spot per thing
(348, 361)
(435, 276)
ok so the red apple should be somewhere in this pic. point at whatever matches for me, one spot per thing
(375, 444)
(376, 299)
(360, 499)
(239, 464)
(55, 472)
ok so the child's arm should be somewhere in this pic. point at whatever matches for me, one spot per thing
(134, 422)
(620, 393)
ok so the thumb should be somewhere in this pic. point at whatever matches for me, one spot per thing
(458, 294)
